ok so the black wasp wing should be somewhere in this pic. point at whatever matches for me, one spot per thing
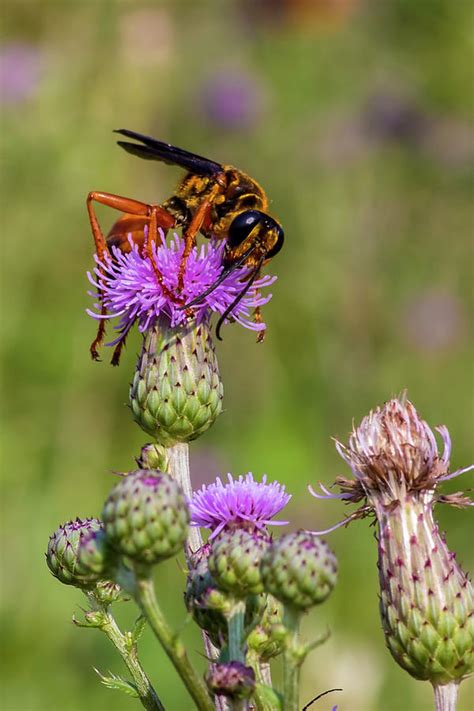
(165, 152)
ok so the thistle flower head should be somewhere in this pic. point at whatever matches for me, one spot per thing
(426, 599)
(243, 502)
(131, 292)
(391, 453)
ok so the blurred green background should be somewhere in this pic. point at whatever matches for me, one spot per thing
(356, 119)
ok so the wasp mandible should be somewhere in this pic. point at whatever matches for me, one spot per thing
(212, 199)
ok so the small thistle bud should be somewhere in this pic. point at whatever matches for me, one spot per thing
(234, 561)
(153, 456)
(299, 569)
(95, 554)
(107, 592)
(267, 636)
(233, 680)
(426, 600)
(209, 605)
(62, 554)
(204, 600)
(146, 517)
(176, 393)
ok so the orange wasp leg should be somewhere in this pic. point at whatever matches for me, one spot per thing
(257, 317)
(118, 350)
(132, 207)
(201, 215)
(153, 237)
(101, 250)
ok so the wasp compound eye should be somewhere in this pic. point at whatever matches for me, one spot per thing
(242, 225)
(278, 244)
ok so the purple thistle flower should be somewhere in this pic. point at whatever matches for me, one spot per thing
(240, 501)
(20, 70)
(131, 291)
(232, 99)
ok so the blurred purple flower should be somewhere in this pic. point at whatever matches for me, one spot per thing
(20, 67)
(131, 291)
(231, 100)
(434, 321)
(242, 501)
(390, 116)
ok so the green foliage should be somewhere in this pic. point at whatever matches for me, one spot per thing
(116, 682)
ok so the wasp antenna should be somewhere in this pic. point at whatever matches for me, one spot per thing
(238, 298)
(223, 275)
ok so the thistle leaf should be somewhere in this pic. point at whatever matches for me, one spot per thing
(138, 628)
(116, 682)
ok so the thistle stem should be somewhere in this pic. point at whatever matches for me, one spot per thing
(174, 648)
(446, 696)
(261, 676)
(179, 470)
(128, 652)
(239, 705)
(235, 626)
(292, 660)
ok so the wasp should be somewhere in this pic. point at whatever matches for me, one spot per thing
(212, 199)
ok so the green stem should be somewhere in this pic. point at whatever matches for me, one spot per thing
(261, 702)
(174, 648)
(145, 690)
(292, 660)
(235, 626)
(239, 705)
(179, 470)
(446, 696)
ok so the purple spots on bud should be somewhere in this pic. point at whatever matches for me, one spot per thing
(151, 481)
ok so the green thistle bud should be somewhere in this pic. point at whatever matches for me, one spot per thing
(204, 600)
(299, 570)
(234, 561)
(62, 554)
(146, 517)
(154, 456)
(233, 680)
(209, 605)
(107, 592)
(266, 638)
(426, 600)
(176, 393)
(95, 554)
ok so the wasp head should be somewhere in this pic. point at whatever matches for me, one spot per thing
(254, 233)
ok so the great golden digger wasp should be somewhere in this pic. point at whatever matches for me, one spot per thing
(212, 199)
